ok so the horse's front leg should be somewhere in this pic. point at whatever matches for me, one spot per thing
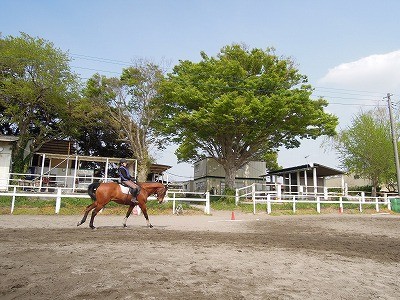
(128, 213)
(144, 210)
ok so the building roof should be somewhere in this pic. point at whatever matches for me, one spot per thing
(322, 171)
(60, 149)
(8, 138)
(154, 168)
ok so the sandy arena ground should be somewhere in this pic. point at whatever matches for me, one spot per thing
(334, 256)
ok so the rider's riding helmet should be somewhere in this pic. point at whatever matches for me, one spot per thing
(122, 160)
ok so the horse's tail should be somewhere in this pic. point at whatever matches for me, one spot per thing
(92, 190)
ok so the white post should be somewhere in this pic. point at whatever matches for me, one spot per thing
(325, 193)
(279, 191)
(377, 204)
(106, 171)
(173, 203)
(237, 197)
(341, 203)
(363, 197)
(360, 200)
(13, 199)
(318, 205)
(136, 168)
(343, 187)
(207, 208)
(315, 181)
(58, 200)
(268, 203)
(42, 172)
(75, 172)
(298, 181)
(305, 181)
(387, 200)
(66, 173)
(253, 192)
(254, 206)
(294, 204)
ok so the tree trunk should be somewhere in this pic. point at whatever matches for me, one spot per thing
(375, 185)
(230, 174)
(143, 169)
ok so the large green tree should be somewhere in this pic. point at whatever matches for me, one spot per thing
(128, 102)
(37, 94)
(239, 106)
(365, 148)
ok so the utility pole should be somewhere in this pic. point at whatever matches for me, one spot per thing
(394, 138)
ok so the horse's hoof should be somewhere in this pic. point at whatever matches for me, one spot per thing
(124, 225)
(92, 227)
(150, 226)
(79, 223)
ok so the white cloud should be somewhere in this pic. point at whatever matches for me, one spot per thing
(376, 73)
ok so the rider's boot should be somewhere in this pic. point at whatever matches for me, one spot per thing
(134, 198)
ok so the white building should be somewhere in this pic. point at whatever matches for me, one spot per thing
(6, 145)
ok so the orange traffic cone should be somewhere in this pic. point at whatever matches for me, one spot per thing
(233, 215)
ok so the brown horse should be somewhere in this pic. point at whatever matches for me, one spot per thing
(103, 193)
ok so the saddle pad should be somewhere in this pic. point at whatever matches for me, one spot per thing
(124, 189)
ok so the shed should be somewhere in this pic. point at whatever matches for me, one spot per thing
(6, 145)
(311, 176)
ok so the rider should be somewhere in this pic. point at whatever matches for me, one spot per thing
(128, 180)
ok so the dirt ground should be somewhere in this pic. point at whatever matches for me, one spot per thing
(336, 256)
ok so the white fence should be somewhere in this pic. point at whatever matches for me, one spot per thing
(60, 193)
(176, 196)
(272, 193)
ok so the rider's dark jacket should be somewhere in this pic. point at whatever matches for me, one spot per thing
(124, 174)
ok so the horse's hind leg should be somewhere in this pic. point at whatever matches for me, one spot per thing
(94, 213)
(88, 209)
(128, 213)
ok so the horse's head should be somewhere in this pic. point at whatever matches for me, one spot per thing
(161, 192)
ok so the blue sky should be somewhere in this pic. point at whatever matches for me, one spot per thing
(350, 50)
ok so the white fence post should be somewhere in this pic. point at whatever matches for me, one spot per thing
(58, 200)
(253, 192)
(207, 208)
(268, 203)
(325, 193)
(377, 205)
(279, 191)
(254, 206)
(237, 197)
(173, 203)
(318, 205)
(360, 200)
(13, 199)
(341, 203)
(363, 196)
(387, 200)
(294, 204)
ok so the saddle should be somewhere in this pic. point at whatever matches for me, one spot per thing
(124, 188)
